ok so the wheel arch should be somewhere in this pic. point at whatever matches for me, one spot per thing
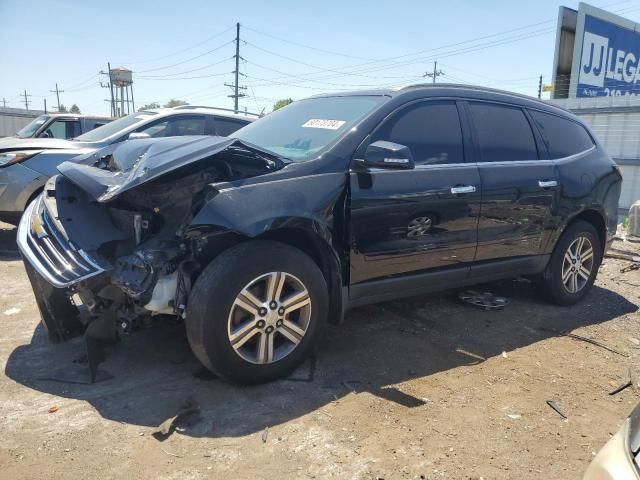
(306, 235)
(595, 218)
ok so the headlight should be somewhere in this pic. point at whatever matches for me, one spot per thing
(8, 158)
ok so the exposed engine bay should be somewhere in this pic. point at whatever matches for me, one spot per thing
(126, 209)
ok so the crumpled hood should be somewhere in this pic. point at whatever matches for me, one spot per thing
(135, 162)
(15, 143)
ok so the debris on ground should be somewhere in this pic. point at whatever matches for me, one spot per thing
(514, 416)
(629, 268)
(53, 409)
(166, 428)
(559, 410)
(630, 257)
(265, 434)
(627, 383)
(485, 300)
(12, 311)
(585, 339)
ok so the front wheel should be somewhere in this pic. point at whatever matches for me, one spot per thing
(256, 312)
(574, 265)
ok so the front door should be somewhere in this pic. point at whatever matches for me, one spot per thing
(519, 186)
(405, 221)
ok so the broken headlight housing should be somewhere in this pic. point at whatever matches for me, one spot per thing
(9, 158)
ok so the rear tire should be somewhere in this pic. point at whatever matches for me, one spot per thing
(256, 312)
(573, 266)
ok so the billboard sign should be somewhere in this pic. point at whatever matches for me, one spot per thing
(604, 53)
(609, 60)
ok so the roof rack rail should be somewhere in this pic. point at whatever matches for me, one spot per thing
(239, 112)
(470, 87)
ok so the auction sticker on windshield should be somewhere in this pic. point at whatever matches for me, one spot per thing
(320, 123)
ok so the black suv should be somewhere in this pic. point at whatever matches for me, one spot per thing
(257, 240)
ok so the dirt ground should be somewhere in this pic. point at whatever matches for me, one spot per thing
(420, 388)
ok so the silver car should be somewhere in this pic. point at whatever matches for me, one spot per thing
(25, 166)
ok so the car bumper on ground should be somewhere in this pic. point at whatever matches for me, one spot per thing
(616, 460)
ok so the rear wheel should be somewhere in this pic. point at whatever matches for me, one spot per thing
(573, 265)
(257, 311)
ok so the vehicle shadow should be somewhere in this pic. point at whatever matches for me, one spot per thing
(8, 247)
(377, 347)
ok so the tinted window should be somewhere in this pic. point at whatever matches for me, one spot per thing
(176, 126)
(431, 130)
(62, 129)
(504, 133)
(562, 137)
(225, 126)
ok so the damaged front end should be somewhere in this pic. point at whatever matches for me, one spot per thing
(107, 237)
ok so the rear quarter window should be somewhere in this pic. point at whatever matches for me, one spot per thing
(562, 136)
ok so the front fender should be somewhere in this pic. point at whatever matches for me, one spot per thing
(251, 210)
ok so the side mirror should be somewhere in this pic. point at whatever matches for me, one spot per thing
(138, 135)
(383, 154)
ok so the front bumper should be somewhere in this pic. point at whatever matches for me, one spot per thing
(47, 250)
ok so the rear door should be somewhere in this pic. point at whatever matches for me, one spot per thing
(405, 221)
(519, 182)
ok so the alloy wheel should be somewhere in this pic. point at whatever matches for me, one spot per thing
(577, 264)
(269, 318)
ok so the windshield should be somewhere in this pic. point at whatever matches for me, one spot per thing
(32, 127)
(105, 131)
(304, 129)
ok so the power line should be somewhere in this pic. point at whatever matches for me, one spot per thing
(156, 77)
(187, 60)
(180, 51)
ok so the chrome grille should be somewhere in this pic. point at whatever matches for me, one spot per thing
(59, 261)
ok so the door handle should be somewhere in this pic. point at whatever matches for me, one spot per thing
(463, 189)
(547, 183)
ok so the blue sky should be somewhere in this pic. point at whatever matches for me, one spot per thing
(353, 44)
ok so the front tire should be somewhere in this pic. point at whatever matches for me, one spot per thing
(574, 265)
(256, 312)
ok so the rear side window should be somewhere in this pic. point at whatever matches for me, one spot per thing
(225, 126)
(431, 130)
(504, 133)
(562, 136)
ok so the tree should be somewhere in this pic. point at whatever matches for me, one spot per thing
(282, 103)
(62, 109)
(74, 109)
(175, 103)
(149, 106)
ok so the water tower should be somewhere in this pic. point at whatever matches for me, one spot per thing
(121, 80)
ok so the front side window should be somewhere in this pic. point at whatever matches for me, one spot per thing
(504, 133)
(226, 126)
(562, 136)
(431, 130)
(304, 129)
(62, 129)
(176, 126)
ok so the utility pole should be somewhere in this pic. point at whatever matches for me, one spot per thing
(26, 99)
(236, 86)
(57, 92)
(436, 72)
(109, 85)
(4, 103)
(45, 105)
(540, 87)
